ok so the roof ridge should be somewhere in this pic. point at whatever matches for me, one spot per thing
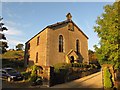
(58, 23)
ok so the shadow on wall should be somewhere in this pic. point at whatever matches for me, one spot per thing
(80, 58)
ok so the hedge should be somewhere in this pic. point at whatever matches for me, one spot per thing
(107, 78)
(69, 71)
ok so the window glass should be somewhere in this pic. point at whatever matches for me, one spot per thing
(38, 40)
(37, 57)
(60, 43)
(77, 46)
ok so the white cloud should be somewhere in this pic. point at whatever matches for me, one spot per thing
(12, 31)
(13, 34)
(14, 42)
(13, 28)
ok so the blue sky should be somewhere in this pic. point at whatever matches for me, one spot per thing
(25, 19)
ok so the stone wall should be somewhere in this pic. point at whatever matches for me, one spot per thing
(48, 76)
(34, 48)
(48, 48)
(69, 41)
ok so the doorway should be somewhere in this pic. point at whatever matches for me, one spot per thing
(72, 59)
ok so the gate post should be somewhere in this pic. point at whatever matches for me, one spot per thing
(48, 76)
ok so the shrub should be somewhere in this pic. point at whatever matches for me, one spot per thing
(39, 80)
(78, 65)
(74, 65)
(92, 66)
(82, 66)
(60, 71)
(33, 75)
(107, 78)
(12, 63)
(33, 78)
(34, 69)
(117, 66)
(85, 65)
(26, 75)
(96, 66)
(59, 66)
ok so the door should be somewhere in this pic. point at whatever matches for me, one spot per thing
(72, 59)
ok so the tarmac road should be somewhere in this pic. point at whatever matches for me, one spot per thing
(91, 81)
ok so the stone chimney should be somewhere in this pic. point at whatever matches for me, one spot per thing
(69, 16)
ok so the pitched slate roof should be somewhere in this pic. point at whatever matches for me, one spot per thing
(57, 24)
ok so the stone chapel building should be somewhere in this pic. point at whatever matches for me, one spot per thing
(62, 42)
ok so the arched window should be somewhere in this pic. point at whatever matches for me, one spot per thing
(36, 57)
(60, 43)
(77, 46)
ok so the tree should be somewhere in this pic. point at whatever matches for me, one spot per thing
(108, 30)
(19, 47)
(3, 43)
(93, 59)
(92, 56)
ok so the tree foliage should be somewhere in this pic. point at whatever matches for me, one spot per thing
(3, 43)
(92, 56)
(19, 47)
(108, 30)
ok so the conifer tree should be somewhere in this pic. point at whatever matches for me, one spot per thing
(3, 42)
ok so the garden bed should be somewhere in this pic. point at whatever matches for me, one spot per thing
(66, 72)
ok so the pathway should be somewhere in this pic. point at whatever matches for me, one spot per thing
(91, 81)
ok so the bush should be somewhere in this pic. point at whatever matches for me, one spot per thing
(107, 78)
(36, 81)
(80, 65)
(61, 71)
(33, 78)
(93, 66)
(26, 75)
(117, 66)
(77, 65)
(59, 66)
(12, 63)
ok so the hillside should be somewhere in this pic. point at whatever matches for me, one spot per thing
(13, 55)
(13, 58)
